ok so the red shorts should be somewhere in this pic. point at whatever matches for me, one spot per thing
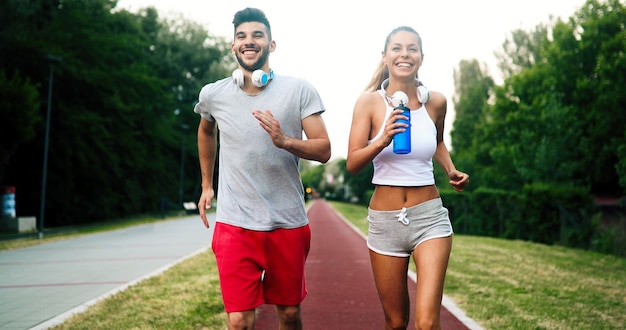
(261, 267)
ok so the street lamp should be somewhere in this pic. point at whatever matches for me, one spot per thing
(184, 128)
(51, 59)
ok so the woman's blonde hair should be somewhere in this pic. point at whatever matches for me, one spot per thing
(382, 72)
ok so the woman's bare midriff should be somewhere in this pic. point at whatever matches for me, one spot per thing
(389, 198)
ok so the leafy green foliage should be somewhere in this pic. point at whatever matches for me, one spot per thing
(122, 103)
(541, 145)
(20, 102)
(313, 177)
(559, 116)
(361, 184)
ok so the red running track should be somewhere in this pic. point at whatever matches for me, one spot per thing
(341, 290)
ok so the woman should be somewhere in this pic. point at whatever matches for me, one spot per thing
(406, 215)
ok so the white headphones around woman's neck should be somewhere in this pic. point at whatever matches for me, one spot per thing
(423, 94)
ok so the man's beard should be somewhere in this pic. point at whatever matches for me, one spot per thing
(256, 65)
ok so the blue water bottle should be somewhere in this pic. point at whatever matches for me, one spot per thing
(402, 140)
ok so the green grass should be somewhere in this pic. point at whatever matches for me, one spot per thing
(523, 285)
(501, 284)
(186, 296)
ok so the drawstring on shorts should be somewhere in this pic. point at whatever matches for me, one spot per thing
(402, 216)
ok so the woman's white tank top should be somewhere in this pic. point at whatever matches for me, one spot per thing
(414, 168)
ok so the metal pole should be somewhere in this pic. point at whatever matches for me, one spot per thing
(182, 173)
(182, 165)
(51, 60)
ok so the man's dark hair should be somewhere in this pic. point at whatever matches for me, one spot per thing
(252, 15)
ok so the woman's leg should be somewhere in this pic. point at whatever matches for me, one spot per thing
(431, 261)
(390, 276)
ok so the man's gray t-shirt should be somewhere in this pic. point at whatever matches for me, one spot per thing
(259, 186)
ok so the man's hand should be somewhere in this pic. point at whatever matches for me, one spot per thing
(271, 126)
(204, 204)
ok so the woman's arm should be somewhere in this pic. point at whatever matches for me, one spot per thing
(369, 110)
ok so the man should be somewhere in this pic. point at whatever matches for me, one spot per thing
(262, 236)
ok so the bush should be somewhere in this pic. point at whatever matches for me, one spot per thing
(542, 213)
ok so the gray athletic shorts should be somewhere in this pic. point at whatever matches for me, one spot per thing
(398, 233)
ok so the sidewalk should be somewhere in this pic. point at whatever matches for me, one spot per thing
(40, 286)
(342, 294)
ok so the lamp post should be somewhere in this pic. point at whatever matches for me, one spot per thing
(51, 59)
(183, 128)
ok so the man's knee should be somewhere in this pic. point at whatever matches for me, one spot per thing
(289, 315)
(241, 320)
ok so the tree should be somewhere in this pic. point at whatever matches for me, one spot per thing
(20, 102)
(115, 141)
(313, 177)
(599, 94)
(473, 87)
(559, 117)
(361, 183)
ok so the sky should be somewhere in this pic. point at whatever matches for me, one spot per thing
(336, 45)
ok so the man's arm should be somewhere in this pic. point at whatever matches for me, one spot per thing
(315, 147)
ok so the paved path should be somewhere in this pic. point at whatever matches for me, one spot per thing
(342, 294)
(40, 286)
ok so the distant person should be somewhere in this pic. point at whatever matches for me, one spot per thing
(406, 216)
(262, 234)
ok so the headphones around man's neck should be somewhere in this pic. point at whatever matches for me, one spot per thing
(260, 78)
(423, 94)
